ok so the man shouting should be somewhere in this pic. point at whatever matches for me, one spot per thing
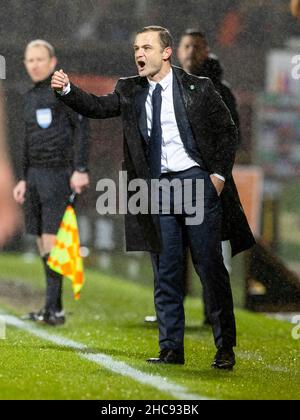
(176, 127)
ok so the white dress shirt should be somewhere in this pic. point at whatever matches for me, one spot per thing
(174, 157)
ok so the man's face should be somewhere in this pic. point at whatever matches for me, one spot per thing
(149, 54)
(38, 63)
(192, 52)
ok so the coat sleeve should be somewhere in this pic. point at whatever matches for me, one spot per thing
(81, 139)
(230, 101)
(92, 106)
(224, 132)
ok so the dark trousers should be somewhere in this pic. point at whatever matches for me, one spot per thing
(54, 288)
(204, 241)
(187, 284)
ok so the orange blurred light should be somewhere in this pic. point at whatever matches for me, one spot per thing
(295, 8)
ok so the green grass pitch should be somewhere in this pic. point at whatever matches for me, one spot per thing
(109, 320)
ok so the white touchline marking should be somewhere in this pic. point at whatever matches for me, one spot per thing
(284, 317)
(121, 368)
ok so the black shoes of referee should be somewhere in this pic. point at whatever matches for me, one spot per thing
(51, 318)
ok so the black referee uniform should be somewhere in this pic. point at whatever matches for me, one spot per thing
(56, 144)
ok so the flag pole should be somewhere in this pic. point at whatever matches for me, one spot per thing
(72, 198)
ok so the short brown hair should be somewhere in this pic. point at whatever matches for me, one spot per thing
(196, 33)
(166, 38)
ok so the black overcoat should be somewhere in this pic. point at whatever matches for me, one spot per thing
(216, 139)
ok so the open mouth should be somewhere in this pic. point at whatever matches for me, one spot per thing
(141, 65)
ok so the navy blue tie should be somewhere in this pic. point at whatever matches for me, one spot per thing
(156, 134)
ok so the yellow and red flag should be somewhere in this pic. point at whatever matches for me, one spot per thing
(65, 257)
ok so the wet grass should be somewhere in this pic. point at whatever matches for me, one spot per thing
(109, 319)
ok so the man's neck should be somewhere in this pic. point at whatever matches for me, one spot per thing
(161, 75)
(44, 80)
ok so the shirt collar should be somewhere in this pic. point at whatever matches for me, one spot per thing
(165, 82)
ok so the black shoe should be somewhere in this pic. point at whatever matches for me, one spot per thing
(46, 317)
(34, 316)
(224, 360)
(169, 357)
(53, 318)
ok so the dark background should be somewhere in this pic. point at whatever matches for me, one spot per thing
(94, 37)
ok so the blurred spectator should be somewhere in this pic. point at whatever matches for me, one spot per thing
(230, 28)
(295, 8)
(9, 216)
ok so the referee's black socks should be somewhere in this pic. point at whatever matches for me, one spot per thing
(54, 289)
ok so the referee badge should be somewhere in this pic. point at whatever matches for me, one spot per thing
(44, 117)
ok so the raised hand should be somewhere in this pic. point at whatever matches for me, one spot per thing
(60, 80)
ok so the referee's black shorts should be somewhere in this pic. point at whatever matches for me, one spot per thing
(48, 191)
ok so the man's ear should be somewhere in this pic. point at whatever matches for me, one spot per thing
(167, 53)
(53, 63)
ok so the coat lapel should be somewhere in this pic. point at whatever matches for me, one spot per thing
(140, 106)
(180, 109)
(184, 95)
(190, 94)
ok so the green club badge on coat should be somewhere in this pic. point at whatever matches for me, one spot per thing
(192, 87)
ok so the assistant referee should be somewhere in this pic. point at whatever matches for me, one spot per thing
(54, 164)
